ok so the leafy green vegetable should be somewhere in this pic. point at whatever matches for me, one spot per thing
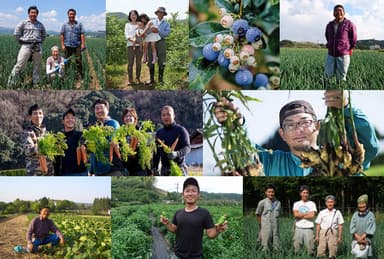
(52, 145)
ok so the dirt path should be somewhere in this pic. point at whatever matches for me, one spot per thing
(94, 84)
(159, 245)
(144, 77)
(13, 232)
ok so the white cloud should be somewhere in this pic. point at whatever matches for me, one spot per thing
(19, 10)
(8, 20)
(49, 14)
(305, 20)
(94, 22)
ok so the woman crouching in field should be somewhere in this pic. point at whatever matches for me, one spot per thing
(55, 64)
(362, 228)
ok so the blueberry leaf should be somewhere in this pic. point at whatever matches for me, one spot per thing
(224, 4)
(204, 33)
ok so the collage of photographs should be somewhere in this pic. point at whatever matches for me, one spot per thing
(192, 129)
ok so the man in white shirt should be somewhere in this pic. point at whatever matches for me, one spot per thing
(304, 212)
(329, 228)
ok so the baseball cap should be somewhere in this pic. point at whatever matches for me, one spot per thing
(70, 110)
(295, 107)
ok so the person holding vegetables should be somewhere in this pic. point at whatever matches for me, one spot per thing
(69, 165)
(267, 214)
(172, 135)
(39, 229)
(115, 168)
(299, 128)
(189, 223)
(341, 38)
(36, 164)
(132, 165)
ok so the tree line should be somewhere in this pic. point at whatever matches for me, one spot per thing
(345, 189)
(99, 206)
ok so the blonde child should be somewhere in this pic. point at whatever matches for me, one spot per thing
(150, 38)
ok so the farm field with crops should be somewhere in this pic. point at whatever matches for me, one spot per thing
(253, 250)
(133, 227)
(303, 68)
(86, 236)
(93, 65)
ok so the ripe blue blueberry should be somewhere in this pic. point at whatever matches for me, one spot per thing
(240, 27)
(243, 77)
(209, 53)
(261, 80)
(253, 34)
(223, 61)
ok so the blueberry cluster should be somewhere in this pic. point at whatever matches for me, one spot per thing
(236, 51)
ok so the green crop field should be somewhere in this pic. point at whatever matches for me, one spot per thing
(303, 68)
(131, 231)
(253, 249)
(93, 65)
(85, 237)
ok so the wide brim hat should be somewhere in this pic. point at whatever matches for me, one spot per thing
(162, 10)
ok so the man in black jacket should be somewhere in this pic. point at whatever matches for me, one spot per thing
(170, 134)
(67, 165)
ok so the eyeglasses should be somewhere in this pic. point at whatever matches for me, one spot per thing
(304, 124)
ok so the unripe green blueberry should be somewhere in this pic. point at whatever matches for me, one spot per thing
(251, 61)
(228, 53)
(257, 44)
(216, 46)
(219, 38)
(244, 55)
(222, 12)
(235, 60)
(248, 48)
(232, 68)
(228, 39)
(226, 21)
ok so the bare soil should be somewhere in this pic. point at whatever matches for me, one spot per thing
(13, 232)
(94, 84)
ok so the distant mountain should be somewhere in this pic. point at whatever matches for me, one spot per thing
(119, 15)
(94, 34)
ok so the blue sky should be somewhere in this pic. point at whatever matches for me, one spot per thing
(78, 189)
(305, 20)
(54, 13)
(148, 6)
(208, 184)
(263, 120)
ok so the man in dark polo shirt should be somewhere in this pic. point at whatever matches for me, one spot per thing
(39, 232)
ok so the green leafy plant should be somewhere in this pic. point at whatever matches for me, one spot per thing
(238, 153)
(97, 140)
(52, 144)
(140, 139)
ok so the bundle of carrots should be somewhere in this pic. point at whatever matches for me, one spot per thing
(81, 154)
(174, 168)
(49, 146)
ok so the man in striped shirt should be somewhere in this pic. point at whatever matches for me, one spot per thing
(30, 34)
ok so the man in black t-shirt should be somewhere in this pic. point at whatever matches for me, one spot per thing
(190, 222)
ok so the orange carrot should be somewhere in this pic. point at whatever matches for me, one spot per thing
(134, 143)
(78, 155)
(43, 164)
(110, 152)
(116, 148)
(174, 144)
(84, 155)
